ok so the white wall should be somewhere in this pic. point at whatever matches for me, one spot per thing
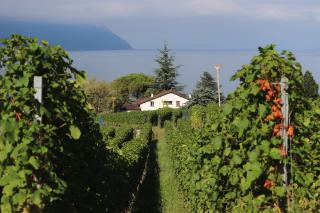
(159, 102)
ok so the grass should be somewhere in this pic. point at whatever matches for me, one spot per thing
(171, 198)
(160, 191)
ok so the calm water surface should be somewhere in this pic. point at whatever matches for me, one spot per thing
(109, 65)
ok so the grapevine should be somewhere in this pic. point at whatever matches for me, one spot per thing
(239, 150)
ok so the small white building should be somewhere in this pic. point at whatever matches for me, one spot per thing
(166, 98)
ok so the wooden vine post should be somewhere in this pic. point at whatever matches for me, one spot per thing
(285, 123)
(218, 68)
(37, 84)
(284, 133)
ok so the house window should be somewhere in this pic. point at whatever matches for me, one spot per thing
(167, 103)
(178, 103)
(151, 103)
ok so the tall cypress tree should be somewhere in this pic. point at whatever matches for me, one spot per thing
(167, 73)
(206, 91)
(310, 85)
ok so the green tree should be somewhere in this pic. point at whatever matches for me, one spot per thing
(206, 91)
(310, 85)
(167, 73)
(133, 86)
(99, 95)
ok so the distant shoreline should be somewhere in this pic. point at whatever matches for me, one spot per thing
(300, 51)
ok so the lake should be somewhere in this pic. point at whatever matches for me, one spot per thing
(109, 65)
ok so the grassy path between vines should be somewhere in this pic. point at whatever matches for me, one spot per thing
(160, 192)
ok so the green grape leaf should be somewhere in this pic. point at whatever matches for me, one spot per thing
(236, 159)
(275, 154)
(81, 78)
(20, 198)
(34, 162)
(217, 143)
(227, 109)
(75, 132)
(255, 89)
(280, 191)
(265, 146)
(262, 110)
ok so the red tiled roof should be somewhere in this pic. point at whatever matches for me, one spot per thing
(131, 106)
(162, 93)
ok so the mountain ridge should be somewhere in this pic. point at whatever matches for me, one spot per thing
(73, 37)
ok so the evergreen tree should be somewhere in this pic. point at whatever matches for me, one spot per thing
(206, 91)
(310, 85)
(167, 74)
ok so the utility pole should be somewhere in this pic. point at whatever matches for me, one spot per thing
(113, 99)
(37, 84)
(218, 68)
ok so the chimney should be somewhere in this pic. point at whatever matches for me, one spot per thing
(151, 95)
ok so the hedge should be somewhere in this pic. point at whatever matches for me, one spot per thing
(123, 134)
(136, 119)
(131, 118)
(108, 132)
(128, 169)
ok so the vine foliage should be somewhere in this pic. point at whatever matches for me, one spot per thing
(63, 157)
(237, 157)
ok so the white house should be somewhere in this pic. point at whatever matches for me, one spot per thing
(166, 98)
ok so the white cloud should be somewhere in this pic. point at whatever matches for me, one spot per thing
(99, 10)
(285, 12)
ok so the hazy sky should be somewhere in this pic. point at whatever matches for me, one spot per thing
(185, 24)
